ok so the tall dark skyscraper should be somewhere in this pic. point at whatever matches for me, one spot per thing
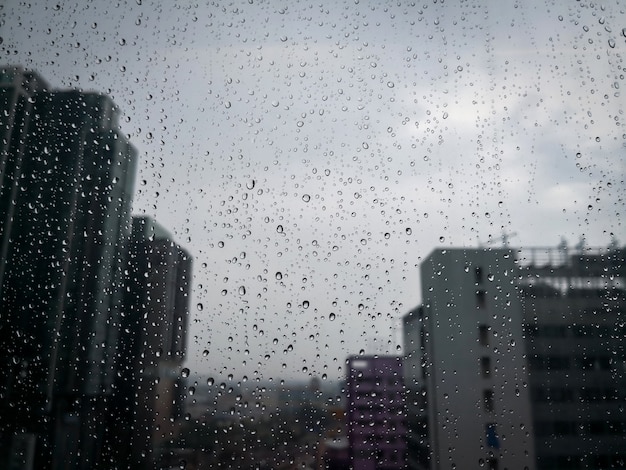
(66, 184)
(149, 395)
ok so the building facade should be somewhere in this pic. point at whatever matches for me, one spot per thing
(418, 454)
(517, 359)
(467, 338)
(67, 182)
(152, 346)
(574, 306)
(375, 412)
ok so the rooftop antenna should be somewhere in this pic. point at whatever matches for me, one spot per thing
(505, 238)
(580, 246)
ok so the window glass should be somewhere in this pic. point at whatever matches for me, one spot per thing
(207, 207)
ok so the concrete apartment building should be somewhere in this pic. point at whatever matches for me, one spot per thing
(375, 413)
(468, 336)
(515, 360)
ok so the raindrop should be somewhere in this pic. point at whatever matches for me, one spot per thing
(306, 197)
(331, 317)
(279, 275)
(442, 239)
(200, 307)
(185, 372)
(250, 184)
(210, 381)
(205, 353)
(305, 304)
(242, 290)
(390, 84)
(409, 231)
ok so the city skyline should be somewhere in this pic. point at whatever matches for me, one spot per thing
(310, 160)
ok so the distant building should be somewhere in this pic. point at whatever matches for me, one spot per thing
(66, 183)
(333, 454)
(149, 390)
(515, 359)
(375, 412)
(574, 306)
(418, 453)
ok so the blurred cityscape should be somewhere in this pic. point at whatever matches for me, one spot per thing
(514, 359)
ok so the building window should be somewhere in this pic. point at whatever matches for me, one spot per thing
(488, 400)
(478, 275)
(481, 299)
(485, 366)
(491, 433)
(483, 335)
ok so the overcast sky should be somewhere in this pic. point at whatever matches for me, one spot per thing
(310, 154)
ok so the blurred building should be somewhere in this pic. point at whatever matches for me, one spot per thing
(333, 454)
(418, 453)
(66, 183)
(574, 306)
(515, 359)
(375, 412)
(149, 389)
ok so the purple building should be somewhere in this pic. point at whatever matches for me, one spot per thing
(375, 412)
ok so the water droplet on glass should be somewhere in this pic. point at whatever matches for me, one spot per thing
(306, 197)
(200, 307)
(184, 372)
